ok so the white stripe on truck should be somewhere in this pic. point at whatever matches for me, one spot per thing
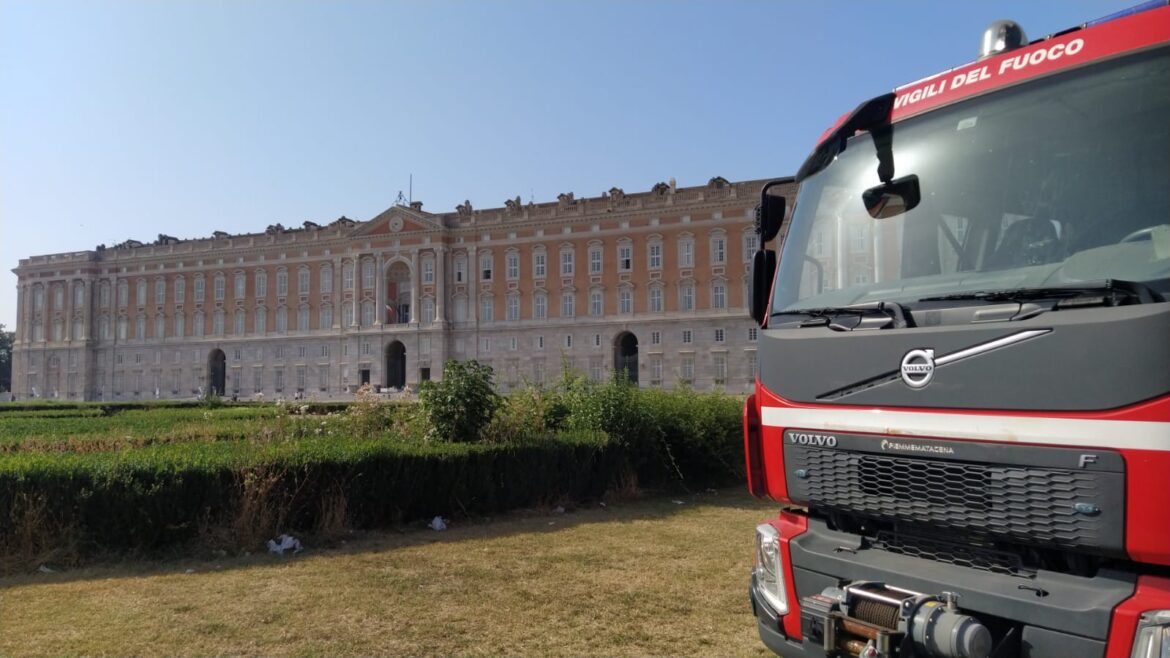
(1131, 434)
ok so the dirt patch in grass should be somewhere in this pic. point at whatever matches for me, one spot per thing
(650, 577)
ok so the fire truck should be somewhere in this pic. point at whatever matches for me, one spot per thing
(963, 399)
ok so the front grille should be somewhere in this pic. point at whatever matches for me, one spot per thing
(968, 554)
(1018, 503)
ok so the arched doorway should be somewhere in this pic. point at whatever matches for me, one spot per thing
(625, 356)
(396, 365)
(216, 372)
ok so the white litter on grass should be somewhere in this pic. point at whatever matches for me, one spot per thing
(559, 510)
(44, 569)
(189, 571)
(677, 502)
(284, 543)
(437, 523)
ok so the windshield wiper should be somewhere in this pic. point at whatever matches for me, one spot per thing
(870, 315)
(1108, 292)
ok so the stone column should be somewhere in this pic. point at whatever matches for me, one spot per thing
(21, 316)
(68, 312)
(338, 294)
(414, 287)
(355, 303)
(440, 285)
(472, 288)
(379, 291)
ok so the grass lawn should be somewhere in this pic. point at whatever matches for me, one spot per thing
(648, 577)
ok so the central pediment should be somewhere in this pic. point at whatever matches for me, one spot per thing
(396, 220)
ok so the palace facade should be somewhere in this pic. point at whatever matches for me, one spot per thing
(650, 284)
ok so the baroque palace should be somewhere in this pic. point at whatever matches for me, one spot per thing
(652, 285)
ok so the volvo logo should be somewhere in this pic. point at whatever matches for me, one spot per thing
(918, 368)
(818, 440)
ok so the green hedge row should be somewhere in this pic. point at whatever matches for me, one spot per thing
(159, 496)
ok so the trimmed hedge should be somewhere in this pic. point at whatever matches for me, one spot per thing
(233, 476)
(153, 497)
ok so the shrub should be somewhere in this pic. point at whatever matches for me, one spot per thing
(460, 406)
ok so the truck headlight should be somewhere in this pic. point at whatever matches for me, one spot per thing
(770, 569)
(1153, 635)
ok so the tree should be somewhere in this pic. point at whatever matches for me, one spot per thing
(6, 339)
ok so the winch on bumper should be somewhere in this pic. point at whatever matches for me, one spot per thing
(875, 620)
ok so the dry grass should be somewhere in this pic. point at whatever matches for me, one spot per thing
(642, 578)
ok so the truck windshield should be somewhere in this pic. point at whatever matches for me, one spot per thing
(1050, 183)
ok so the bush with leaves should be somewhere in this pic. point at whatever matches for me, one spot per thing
(462, 404)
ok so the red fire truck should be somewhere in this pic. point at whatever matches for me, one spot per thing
(964, 393)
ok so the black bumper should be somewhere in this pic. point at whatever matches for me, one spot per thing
(1072, 618)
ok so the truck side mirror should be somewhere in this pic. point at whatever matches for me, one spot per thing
(763, 271)
(770, 213)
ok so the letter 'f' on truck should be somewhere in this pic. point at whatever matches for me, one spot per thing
(963, 399)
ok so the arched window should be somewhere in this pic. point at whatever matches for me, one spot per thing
(123, 294)
(140, 327)
(281, 319)
(367, 313)
(303, 317)
(78, 329)
(512, 313)
(655, 300)
(123, 327)
(139, 297)
(199, 289)
(79, 295)
(160, 326)
(38, 331)
(596, 302)
(178, 321)
(540, 306)
(219, 286)
(58, 330)
(347, 275)
(303, 280)
(104, 294)
(595, 258)
(460, 311)
(260, 321)
(104, 327)
(625, 300)
(367, 274)
(261, 284)
(512, 265)
(686, 296)
(625, 255)
(718, 294)
(485, 266)
(346, 314)
(282, 282)
(327, 278)
(461, 268)
(180, 290)
(240, 288)
(240, 322)
(567, 266)
(217, 323)
(568, 304)
(487, 308)
(197, 327)
(160, 291)
(539, 262)
(428, 310)
(428, 269)
(325, 317)
(686, 251)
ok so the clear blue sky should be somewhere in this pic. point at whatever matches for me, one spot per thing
(128, 119)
